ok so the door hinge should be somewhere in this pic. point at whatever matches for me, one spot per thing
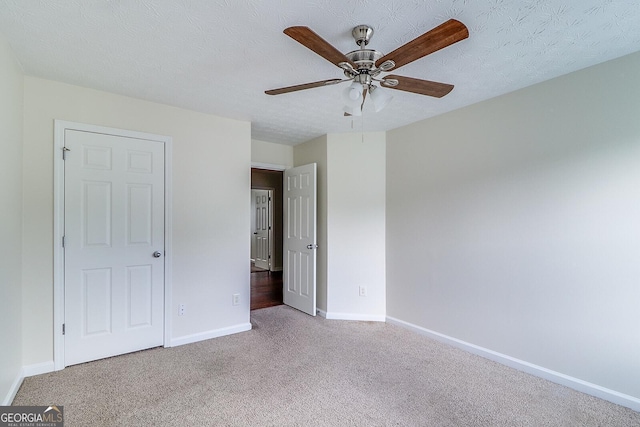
(63, 329)
(64, 153)
(63, 241)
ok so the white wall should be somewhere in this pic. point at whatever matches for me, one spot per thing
(268, 153)
(211, 182)
(351, 222)
(315, 151)
(356, 225)
(11, 103)
(513, 225)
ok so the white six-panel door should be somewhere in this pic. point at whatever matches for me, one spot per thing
(262, 228)
(113, 245)
(300, 238)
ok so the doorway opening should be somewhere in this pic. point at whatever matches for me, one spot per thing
(266, 232)
(262, 228)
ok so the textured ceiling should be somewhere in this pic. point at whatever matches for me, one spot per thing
(220, 56)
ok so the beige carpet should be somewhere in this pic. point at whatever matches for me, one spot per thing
(296, 370)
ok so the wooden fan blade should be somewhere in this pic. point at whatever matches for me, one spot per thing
(302, 86)
(306, 37)
(422, 87)
(440, 37)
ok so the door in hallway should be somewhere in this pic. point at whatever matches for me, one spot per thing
(262, 228)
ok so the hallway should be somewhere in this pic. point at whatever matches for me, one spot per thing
(266, 289)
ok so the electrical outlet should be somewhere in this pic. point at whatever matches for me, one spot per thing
(182, 309)
(363, 291)
(236, 299)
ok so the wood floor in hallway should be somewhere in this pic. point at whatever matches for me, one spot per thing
(266, 289)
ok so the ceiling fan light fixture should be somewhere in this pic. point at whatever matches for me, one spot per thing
(379, 97)
(352, 95)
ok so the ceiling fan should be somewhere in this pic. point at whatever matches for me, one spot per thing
(363, 66)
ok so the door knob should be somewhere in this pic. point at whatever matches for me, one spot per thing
(311, 246)
(157, 254)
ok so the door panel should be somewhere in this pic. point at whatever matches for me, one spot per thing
(139, 214)
(300, 238)
(96, 214)
(114, 222)
(139, 296)
(96, 301)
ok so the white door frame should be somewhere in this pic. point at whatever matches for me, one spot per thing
(58, 226)
(269, 166)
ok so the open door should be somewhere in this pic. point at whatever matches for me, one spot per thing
(299, 278)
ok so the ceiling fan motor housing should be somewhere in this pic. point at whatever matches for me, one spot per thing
(364, 58)
(365, 61)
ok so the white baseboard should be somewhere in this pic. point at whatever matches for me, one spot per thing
(38, 368)
(13, 390)
(273, 269)
(538, 371)
(354, 316)
(26, 371)
(201, 336)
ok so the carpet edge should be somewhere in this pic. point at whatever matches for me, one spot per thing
(577, 384)
(214, 333)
